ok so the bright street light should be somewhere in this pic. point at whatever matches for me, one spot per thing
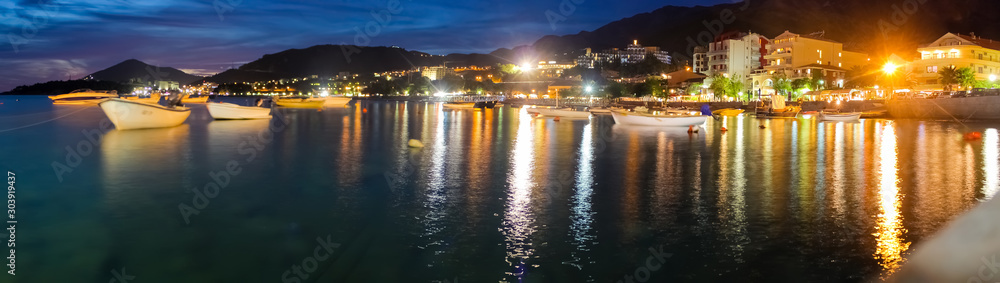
(889, 68)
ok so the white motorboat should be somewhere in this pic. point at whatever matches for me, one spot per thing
(129, 115)
(565, 112)
(83, 96)
(229, 111)
(839, 116)
(638, 119)
(336, 101)
(460, 105)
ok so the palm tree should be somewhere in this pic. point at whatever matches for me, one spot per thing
(948, 77)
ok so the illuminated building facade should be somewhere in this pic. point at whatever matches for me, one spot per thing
(956, 50)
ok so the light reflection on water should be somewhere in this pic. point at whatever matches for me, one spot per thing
(518, 217)
(890, 228)
(821, 201)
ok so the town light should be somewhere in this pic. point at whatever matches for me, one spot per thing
(889, 68)
(993, 78)
(589, 89)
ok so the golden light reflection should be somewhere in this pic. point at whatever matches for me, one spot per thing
(889, 244)
(518, 219)
(350, 149)
(991, 164)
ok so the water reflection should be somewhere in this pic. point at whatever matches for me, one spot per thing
(991, 163)
(582, 211)
(127, 157)
(518, 218)
(889, 243)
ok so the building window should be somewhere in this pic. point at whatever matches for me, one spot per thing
(980, 70)
(932, 69)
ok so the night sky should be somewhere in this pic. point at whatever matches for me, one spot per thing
(64, 39)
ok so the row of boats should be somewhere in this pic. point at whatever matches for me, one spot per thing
(128, 113)
(142, 113)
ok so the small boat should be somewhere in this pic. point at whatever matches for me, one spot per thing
(640, 119)
(298, 102)
(564, 112)
(335, 101)
(129, 115)
(189, 99)
(153, 98)
(83, 96)
(459, 105)
(779, 110)
(728, 112)
(229, 111)
(839, 116)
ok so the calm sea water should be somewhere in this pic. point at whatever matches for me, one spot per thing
(495, 195)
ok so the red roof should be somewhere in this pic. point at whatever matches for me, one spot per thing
(987, 43)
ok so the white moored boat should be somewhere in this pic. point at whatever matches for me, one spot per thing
(129, 115)
(298, 102)
(565, 112)
(839, 116)
(229, 111)
(336, 101)
(636, 119)
(83, 96)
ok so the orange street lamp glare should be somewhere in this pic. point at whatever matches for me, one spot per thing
(889, 68)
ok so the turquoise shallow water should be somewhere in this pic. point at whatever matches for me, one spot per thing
(495, 195)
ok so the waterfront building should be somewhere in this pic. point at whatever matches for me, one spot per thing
(956, 50)
(802, 57)
(553, 69)
(632, 54)
(436, 73)
(735, 54)
(700, 64)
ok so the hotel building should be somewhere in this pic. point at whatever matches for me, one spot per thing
(956, 50)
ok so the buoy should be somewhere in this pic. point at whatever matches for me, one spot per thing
(762, 127)
(973, 136)
(556, 119)
(692, 130)
(415, 144)
(724, 129)
(364, 110)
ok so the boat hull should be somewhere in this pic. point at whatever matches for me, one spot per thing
(202, 99)
(459, 105)
(840, 117)
(131, 115)
(963, 108)
(564, 113)
(632, 119)
(80, 98)
(336, 101)
(229, 111)
(729, 112)
(299, 103)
